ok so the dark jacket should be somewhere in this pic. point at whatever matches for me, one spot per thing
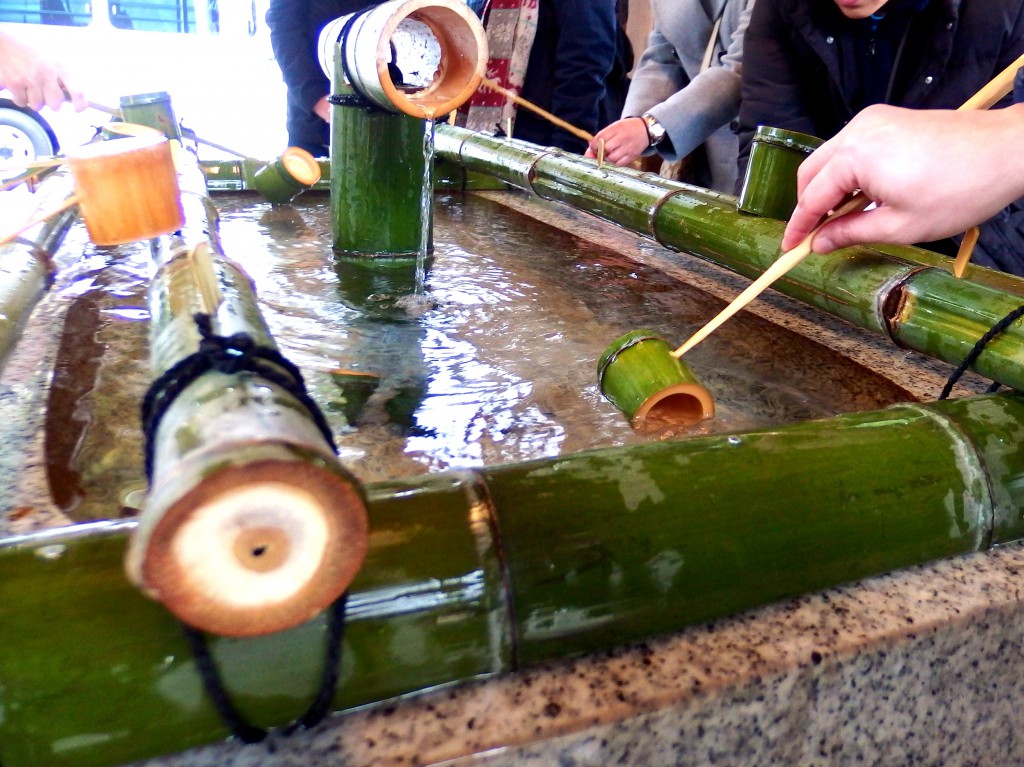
(573, 53)
(294, 28)
(798, 73)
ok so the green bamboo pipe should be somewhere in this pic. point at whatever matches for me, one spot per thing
(238, 175)
(470, 574)
(378, 168)
(769, 187)
(26, 264)
(897, 292)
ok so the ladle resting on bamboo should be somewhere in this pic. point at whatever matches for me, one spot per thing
(989, 95)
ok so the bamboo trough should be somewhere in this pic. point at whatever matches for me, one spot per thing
(472, 574)
(483, 573)
(903, 293)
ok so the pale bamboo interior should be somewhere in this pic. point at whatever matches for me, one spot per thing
(463, 59)
(301, 165)
(678, 405)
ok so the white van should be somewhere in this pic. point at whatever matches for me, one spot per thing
(212, 56)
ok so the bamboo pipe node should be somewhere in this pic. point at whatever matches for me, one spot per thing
(990, 94)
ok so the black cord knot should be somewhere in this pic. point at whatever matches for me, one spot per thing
(237, 353)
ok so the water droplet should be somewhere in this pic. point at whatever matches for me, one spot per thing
(56, 551)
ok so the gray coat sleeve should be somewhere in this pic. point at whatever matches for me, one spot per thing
(690, 109)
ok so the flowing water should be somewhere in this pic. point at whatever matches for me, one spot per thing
(426, 205)
(500, 366)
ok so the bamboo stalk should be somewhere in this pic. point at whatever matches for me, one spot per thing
(38, 163)
(871, 287)
(964, 252)
(483, 572)
(26, 263)
(383, 152)
(995, 89)
(251, 525)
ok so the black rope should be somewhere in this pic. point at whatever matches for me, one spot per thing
(979, 347)
(227, 354)
(215, 691)
(240, 727)
(321, 705)
(236, 354)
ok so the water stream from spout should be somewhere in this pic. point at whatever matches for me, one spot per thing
(426, 205)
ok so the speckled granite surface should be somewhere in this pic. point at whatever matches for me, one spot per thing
(920, 667)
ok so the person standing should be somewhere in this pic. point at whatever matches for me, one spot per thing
(685, 91)
(294, 28)
(812, 65)
(574, 50)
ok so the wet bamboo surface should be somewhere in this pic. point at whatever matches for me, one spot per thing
(474, 573)
(902, 292)
(479, 640)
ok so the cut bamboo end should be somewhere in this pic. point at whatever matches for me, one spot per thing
(301, 165)
(283, 179)
(256, 549)
(462, 43)
(677, 405)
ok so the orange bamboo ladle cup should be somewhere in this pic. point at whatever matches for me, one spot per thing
(126, 190)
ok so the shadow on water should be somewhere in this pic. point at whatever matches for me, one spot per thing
(494, 362)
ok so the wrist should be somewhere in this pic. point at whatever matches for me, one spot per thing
(655, 130)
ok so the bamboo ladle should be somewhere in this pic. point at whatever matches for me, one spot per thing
(989, 95)
(553, 119)
(126, 190)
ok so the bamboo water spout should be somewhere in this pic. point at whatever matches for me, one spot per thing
(423, 58)
(483, 572)
(393, 69)
(904, 293)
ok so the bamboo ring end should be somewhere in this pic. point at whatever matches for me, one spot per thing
(256, 549)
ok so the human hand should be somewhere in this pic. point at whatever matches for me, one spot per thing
(35, 80)
(624, 141)
(931, 173)
(322, 109)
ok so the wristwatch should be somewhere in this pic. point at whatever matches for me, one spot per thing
(655, 130)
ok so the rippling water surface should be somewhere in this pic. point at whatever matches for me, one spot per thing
(493, 362)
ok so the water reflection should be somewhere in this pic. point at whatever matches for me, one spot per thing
(494, 362)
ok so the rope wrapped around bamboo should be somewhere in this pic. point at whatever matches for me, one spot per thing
(251, 524)
(902, 292)
(26, 263)
(470, 574)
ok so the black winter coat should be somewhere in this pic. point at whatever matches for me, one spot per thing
(573, 53)
(797, 75)
(294, 28)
